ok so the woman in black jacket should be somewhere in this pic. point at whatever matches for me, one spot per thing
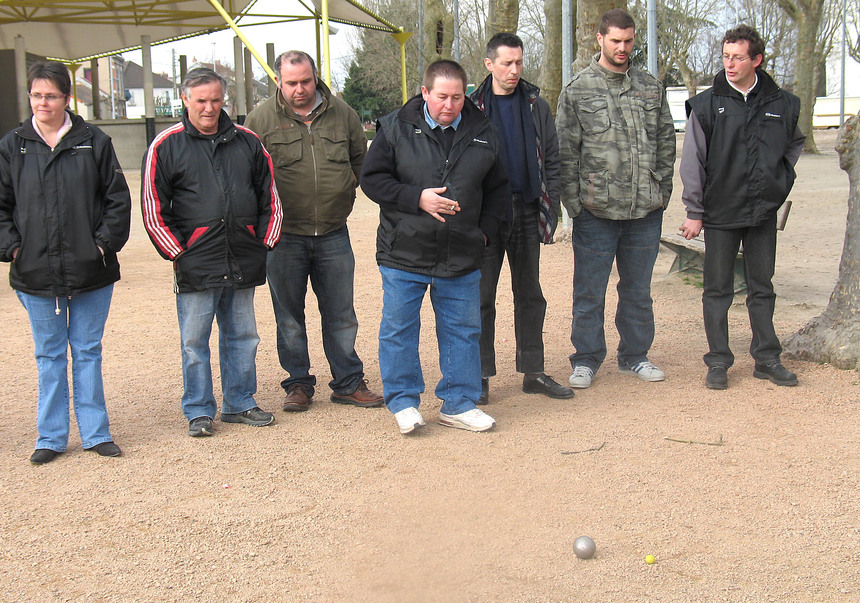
(65, 212)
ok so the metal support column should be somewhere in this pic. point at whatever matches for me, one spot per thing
(21, 79)
(148, 93)
(239, 83)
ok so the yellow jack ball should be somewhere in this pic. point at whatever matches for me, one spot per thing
(650, 559)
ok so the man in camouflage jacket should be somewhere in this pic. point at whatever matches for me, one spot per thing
(617, 143)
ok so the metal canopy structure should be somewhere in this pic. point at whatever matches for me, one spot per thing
(79, 30)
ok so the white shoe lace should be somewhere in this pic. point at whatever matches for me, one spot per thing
(583, 371)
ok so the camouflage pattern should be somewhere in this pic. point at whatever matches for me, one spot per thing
(617, 142)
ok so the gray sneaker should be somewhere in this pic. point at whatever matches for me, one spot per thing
(200, 427)
(644, 370)
(582, 377)
(255, 417)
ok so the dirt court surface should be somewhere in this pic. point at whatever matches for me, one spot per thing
(335, 505)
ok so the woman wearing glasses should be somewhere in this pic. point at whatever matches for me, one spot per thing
(64, 214)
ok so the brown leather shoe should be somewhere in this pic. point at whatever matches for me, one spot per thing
(298, 397)
(361, 397)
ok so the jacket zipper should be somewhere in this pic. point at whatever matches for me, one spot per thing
(316, 180)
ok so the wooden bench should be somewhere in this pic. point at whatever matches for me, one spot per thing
(690, 257)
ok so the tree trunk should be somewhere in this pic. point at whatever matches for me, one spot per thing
(588, 13)
(550, 73)
(834, 337)
(438, 31)
(807, 15)
(503, 15)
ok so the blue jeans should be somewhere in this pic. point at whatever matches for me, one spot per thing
(237, 348)
(721, 249)
(521, 242)
(329, 262)
(633, 245)
(457, 305)
(80, 325)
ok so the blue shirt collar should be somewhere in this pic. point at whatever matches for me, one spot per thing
(454, 124)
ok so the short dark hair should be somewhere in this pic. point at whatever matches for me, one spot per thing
(503, 38)
(294, 57)
(447, 69)
(616, 17)
(53, 71)
(745, 32)
(202, 75)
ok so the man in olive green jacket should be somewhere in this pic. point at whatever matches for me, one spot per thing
(617, 143)
(317, 146)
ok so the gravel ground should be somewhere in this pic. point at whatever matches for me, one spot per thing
(335, 505)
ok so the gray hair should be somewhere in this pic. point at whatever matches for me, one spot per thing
(202, 75)
(294, 57)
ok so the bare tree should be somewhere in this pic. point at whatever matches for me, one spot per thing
(815, 31)
(834, 337)
(550, 75)
(503, 15)
(852, 14)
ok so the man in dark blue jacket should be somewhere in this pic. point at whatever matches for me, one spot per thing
(210, 205)
(737, 166)
(533, 164)
(434, 170)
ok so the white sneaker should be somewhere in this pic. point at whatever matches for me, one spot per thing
(582, 377)
(409, 419)
(472, 420)
(644, 370)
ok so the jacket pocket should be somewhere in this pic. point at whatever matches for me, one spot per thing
(335, 145)
(656, 194)
(594, 189)
(285, 146)
(651, 116)
(593, 114)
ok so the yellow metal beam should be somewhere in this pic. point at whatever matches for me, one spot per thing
(402, 37)
(217, 6)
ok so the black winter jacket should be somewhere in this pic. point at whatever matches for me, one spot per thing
(58, 207)
(210, 205)
(404, 159)
(748, 168)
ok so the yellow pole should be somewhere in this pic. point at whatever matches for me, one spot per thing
(326, 49)
(319, 52)
(74, 67)
(242, 37)
(402, 37)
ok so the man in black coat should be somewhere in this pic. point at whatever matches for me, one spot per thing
(210, 205)
(737, 166)
(531, 158)
(434, 170)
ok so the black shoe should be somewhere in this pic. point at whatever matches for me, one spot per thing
(717, 378)
(199, 427)
(775, 372)
(544, 384)
(106, 449)
(43, 455)
(485, 393)
(255, 417)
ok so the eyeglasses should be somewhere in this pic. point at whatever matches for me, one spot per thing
(734, 59)
(51, 98)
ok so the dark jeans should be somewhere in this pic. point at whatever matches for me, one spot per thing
(329, 262)
(633, 246)
(521, 242)
(721, 248)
